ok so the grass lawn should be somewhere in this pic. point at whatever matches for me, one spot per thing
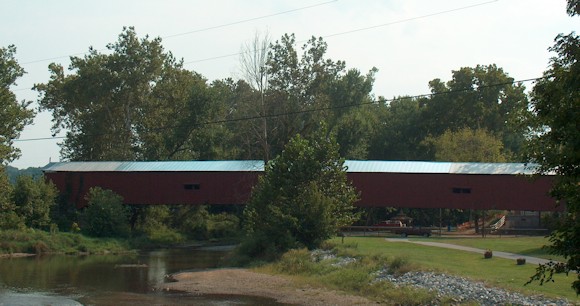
(495, 271)
(529, 246)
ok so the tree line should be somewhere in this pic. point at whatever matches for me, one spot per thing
(137, 102)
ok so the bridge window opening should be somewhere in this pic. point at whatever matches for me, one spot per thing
(461, 190)
(191, 186)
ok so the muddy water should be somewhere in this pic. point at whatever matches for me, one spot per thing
(108, 279)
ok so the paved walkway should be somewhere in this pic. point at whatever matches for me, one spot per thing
(529, 259)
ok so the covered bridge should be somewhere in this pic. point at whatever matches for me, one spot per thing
(410, 184)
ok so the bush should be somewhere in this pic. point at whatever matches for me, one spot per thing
(34, 199)
(41, 242)
(223, 225)
(40, 247)
(255, 248)
(192, 221)
(106, 216)
(164, 235)
(296, 262)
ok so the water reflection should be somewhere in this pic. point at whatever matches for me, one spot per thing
(108, 279)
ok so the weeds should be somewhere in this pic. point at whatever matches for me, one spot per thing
(40, 242)
(355, 277)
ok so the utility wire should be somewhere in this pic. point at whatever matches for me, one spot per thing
(357, 30)
(280, 13)
(248, 20)
(199, 30)
(312, 109)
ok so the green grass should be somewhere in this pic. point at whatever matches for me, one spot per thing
(355, 278)
(40, 242)
(496, 271)
(529, 246)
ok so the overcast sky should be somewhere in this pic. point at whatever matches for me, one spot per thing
(410, 41)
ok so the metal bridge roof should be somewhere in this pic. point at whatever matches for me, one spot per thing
(156, 166)
(353, 166)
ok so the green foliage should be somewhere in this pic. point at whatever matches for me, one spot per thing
(155, 223)
(193, 222)
(136, 102)
(223, 225)
(65, 214)
(554, 144)
(296, 262)
(105, 216)
(302, 199)
(355, 278)
(34, 199)
(14, 173)
(467, 145)
(9, 219)
(36, 241)
(467, 264)
(484, 97)
(401, 131)
(14, 115)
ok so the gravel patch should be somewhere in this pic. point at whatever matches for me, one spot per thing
(327, 255)
(463, 290)
(459, 289)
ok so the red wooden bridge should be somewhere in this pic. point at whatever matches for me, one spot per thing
(507, 186)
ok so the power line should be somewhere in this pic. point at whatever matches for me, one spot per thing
(311, 110)
(199, 30)
(359, 29)
(280, 13)
(248, 20)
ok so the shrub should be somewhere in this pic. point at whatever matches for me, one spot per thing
(106, 216)
(33, 199)
(223, 225)
(193, 222)
(40, 248)
(164, 235)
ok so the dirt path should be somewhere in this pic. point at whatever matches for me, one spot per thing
(249, 283)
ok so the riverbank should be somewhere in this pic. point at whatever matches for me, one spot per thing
(16, 255)
(249, 283)
(16, 243)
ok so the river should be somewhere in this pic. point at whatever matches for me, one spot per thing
(127, 279)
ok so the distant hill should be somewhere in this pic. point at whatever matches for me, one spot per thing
(13, 172)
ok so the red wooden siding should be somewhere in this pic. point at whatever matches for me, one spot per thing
(461, 191)
(415, 190)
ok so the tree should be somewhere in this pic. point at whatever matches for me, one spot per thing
(135, 103)
(354, 131)
(353, 117)
(302, 199)
(466, 145)
(9, 219)
(34, 199)
(14, 115)
(400, 131)
(254, 57)
(554, 144)
(105, 215)
(573, 7)
(484, 97)
(299, 87)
